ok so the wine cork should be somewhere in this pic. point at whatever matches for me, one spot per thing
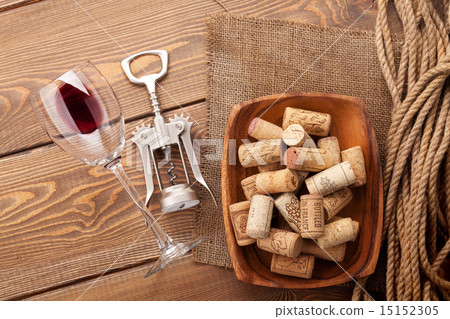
(259, 216)
(249, 186)
(307, 159)
(315, 123)
(331, 180)
(302, 175)
(312, 217)
(293, 135)
(239, 216)
(335, 253)
(260, 153)
(281, 242)
(355, 225)
(301, 266)
(280, 181)
(270, 167)
(289, 207)
(263, 130)
(336, 201)
(337, 233)
(355, 156)
(331, 144)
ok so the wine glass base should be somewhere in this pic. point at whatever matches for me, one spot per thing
(175, 251)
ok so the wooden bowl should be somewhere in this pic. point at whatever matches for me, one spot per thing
(352, 126)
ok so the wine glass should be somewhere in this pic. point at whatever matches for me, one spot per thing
(81, 114)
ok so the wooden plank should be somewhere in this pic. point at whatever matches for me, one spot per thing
(185, 280)
(61, 220)
(12, 4)
(333, 13)
(60, 35)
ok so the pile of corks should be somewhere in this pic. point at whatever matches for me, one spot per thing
(307, 227)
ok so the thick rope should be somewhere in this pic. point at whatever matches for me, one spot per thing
(417, 171)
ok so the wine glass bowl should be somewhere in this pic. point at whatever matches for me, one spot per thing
(82, 115)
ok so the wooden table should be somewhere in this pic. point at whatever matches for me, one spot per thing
(63, 223)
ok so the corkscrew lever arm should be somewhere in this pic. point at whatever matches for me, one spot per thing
(195, 165)
(142, 137)
(147, 162)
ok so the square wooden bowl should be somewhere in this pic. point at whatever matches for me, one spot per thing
(350, 123)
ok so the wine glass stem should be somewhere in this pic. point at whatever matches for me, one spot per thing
(164, 240)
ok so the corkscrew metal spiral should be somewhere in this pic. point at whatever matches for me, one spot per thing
(169, 171)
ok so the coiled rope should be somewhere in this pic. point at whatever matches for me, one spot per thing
(417, 172)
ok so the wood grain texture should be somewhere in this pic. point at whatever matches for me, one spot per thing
(60, 35)
(334, 13)
(185, 280)
(358, 14)
(351, 125)
(13, 4)
(61, 220)
(55, 41)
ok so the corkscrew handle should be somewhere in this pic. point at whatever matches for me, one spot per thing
(150, 79)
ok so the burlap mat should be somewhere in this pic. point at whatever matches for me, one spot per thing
(249, 57)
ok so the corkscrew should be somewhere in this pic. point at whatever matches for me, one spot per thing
(162, 136)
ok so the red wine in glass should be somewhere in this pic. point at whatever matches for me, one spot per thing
(79, 109)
